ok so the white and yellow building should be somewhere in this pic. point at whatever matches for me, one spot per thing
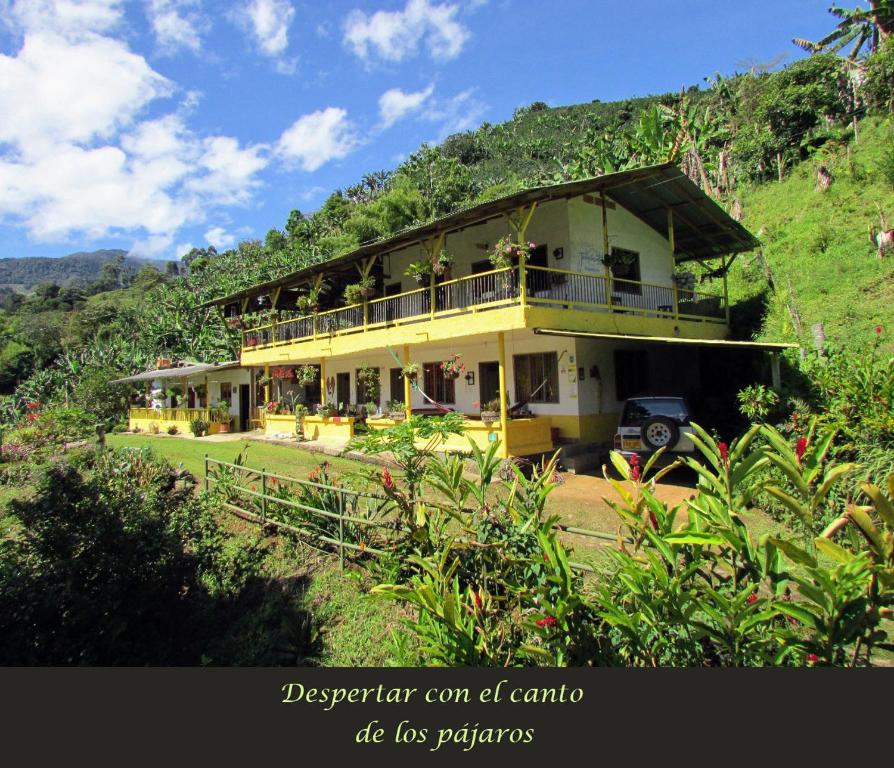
(175, 394)
(598, 313)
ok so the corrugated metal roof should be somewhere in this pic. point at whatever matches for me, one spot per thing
(702, 229)
(180, 372)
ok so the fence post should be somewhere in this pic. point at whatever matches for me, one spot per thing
(341, 530)
(263, 499)
(206, 471)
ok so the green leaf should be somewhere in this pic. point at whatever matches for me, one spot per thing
(833, 550)
(694, 537)
(792, 551)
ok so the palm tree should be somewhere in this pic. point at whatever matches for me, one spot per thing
(860, 26)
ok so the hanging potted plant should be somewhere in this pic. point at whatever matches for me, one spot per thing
(507, 252)
(420, 271)
(234, 323)
(355, 293)
(443, 265)
(410, 371)
(306, 374)
(309, 302)
(452, 368)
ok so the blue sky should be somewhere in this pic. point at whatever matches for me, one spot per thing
(156, 125)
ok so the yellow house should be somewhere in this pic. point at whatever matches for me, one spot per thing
(176, 393)
(598, 307)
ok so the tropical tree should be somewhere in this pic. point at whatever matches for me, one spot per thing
(860, 26)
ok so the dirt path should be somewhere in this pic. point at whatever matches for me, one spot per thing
(580, 500)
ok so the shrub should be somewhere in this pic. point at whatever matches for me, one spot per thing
(198, 427)
(172, 430)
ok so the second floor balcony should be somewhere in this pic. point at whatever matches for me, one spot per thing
(583, 295)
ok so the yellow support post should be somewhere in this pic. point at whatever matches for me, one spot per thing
(608, 274)
(266, 383)
(408, 392)
(504, 407)
(322, 381)
(673, 249)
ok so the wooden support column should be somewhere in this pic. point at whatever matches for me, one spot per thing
(433, 248)
(408, 390)
(266, 383)
(673, 251)
(504, 406)
(607, 271)
(726, 266)
(519, 221)
(207, 403)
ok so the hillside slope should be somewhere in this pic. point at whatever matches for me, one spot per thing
(817, 244)
(26, 272)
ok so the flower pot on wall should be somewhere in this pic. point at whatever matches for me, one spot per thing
(490, 416)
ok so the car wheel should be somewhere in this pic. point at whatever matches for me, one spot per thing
(660, 432)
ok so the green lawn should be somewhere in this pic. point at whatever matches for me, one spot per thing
(280, 459)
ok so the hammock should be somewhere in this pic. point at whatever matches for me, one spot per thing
(415, 385)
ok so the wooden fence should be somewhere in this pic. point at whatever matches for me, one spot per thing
(257, 483)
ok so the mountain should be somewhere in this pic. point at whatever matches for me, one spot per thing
(26, 272)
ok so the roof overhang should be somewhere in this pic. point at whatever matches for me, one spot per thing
(702, 229)
(769, 346)
(179, 372)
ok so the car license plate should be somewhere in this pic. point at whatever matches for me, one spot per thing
(631, 444)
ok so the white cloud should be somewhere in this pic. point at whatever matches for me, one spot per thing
(459, 113)
(78, 156)
(316, 138)
(220, 238)
(57, 90)
(396, 35)
(268, 22)
(70, 18)
(396, 104)
(175, 24)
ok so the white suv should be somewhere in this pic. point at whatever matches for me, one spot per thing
(650, 423)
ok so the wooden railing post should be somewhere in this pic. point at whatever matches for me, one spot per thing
(676, 301)
(263, 499)
(341, 530)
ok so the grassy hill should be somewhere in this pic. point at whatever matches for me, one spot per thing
(817, 244)
(26, 272)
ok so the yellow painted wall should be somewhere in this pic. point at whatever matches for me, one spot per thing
(525, 436)
(336, 431)
(277, 424)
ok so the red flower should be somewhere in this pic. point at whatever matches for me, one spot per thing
(751, 599)
(634, 460)
(387, 480)
(478, 603)
(812, 658)
(724, 452)
(801, 448)
(548, 621)
(634, 474)
(878, 330)
(653, 520)
(33, 405)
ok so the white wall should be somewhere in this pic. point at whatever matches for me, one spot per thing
(474, 350)
(233, 376)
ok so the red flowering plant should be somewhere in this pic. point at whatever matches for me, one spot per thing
(452, 367)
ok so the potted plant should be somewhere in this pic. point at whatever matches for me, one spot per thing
(306, 374)
(410, 371)
(327, 410)
(300, 412)
(443, 265)
(490, 411)
(198, 427)
(396, 410)
(452, 368)
(507, 252)
(371, 409)
(162, 362)
(309, 302)
(420, 271)
(234, 323)
(222, 413)
(364, 288)
(251, 342)
(368, 379)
